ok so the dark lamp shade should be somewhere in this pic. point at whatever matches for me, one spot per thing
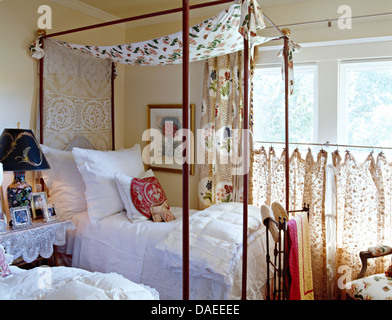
(20, 151)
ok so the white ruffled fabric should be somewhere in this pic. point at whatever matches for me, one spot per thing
(215, 241)
(63, 283)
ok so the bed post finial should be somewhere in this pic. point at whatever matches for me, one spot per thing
(286, 31)
(41, 32)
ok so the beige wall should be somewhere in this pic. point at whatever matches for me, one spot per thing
(18, 71)
(314, 10)
(160, 85)
(19, 77)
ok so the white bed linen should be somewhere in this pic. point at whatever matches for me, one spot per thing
(62, 283)
(130, 249)
(68, 247)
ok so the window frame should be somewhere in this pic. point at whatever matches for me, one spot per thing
(306, 66)
(342, 112)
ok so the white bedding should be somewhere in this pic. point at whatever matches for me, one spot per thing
(215, 241)
(62, 283)
(140, 252)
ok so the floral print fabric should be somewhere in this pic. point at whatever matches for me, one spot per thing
(380, 250)
(306, 185)
(219, 35)
(363, 209)
(376, 287)
(221, 124)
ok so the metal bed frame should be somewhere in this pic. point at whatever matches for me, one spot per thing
(280, 265)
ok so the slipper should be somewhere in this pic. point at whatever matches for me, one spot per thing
(279, 211)
(266, 214)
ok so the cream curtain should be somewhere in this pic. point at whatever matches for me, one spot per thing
(350, 202)
(307, 185)
(77, 98)
(364, 211)
(220, 175)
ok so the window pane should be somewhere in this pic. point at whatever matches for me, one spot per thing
(368, 103)
(269, 115)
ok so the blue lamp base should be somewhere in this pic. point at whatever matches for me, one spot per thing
(19, 192)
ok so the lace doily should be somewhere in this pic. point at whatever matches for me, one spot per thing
(35, 241)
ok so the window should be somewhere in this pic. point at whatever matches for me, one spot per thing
(269, 105)
(365, 108)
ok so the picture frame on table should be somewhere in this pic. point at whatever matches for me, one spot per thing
(50, 213)
(38, 201)
(167, 120)
(3, 215)
(3, 222)
(20, 217)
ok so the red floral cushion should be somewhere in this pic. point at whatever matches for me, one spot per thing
(145, 193)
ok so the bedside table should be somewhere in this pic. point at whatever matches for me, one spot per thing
(37, 240)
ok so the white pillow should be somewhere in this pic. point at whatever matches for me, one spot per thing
(124, 188)
(64, 182)
(97, 169)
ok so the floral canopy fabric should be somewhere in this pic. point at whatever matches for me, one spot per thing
(219, 35)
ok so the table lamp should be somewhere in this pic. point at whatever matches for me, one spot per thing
(20, 152)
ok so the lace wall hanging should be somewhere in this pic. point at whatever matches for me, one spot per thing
(77, 98)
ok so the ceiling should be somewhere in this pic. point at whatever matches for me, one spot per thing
(118, 9)
(125, 8)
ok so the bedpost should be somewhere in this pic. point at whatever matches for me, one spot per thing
(246, 167)
(286, 90)
(185, 166)
(41, 92)
(113, 76)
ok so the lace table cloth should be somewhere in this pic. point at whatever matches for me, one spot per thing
(37, 240)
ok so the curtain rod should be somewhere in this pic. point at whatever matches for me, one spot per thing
(326, 144)
(330, 20)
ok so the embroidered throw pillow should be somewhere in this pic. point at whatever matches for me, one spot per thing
(124, 186)
(145, 193)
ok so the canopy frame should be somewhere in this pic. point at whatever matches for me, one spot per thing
(185, 9)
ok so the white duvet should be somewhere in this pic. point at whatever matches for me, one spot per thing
(148, 252)
(63, 283)
(215, 241)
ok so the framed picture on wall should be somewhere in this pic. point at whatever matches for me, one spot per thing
(165, 144)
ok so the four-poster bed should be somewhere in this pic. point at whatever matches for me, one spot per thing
(249, 19)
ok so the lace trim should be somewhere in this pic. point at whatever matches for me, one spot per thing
(36, 241)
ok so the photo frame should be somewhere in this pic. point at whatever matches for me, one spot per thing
(21, 217)
(50, 213)
(38, 201)
(167, 119)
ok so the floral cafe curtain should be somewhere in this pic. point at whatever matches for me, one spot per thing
(363, 211)
(220, 178)
(307, 185)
